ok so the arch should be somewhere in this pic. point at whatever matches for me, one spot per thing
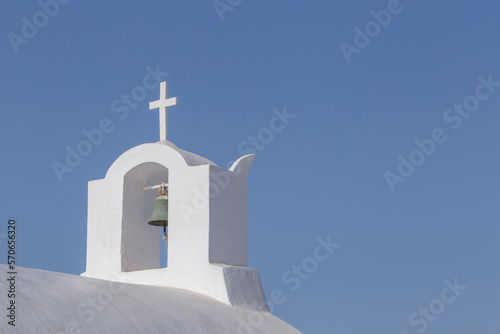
(140, 242)
(161, 153)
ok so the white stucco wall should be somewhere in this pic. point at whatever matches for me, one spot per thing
(228, 214)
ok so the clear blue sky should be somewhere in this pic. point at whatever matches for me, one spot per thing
(323, 174)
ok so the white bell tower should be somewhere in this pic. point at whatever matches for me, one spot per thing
(207, 222)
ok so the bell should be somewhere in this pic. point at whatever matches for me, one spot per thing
(160, 213)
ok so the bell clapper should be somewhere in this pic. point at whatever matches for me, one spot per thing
(166, 236)
(164, 192)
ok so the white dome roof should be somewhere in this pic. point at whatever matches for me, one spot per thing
(49, 302)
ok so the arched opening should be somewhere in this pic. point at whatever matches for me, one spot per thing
(142, 246)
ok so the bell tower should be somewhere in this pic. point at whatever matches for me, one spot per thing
(207, 221)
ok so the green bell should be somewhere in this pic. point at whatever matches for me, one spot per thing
(160, 213)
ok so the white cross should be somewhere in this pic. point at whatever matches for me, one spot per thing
(163, 103)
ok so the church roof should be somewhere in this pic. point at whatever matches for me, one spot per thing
(190, 158)
(50, 302)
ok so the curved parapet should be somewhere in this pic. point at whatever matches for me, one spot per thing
(243, 164)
